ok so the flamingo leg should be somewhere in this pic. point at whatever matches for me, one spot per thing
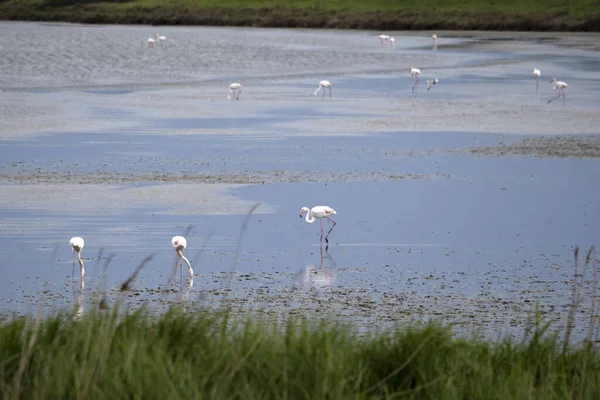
(563, 96)
(330, 229)
(321, 223)
(537, 85)
(73, 271)
(329, 92)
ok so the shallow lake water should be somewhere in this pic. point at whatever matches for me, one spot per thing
(451, 203)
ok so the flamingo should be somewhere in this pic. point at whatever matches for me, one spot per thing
(414, 72)
(236, 90)
(435, 42)
(536, 75)
(392, 41)
(383, 39)
(319, 212)
(179, 243)
(151, 42)
(324, 85)
(77, 245)
(431, 82)
(560, 86)
(160, 38)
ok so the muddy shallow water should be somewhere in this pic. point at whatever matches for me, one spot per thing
(462, 203)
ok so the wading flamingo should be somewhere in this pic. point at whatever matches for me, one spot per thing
(383, 39)
(235, 89)
(151, 42)
(536, 75)
(560, 86)
(324, 85)
(179, 243)
(77, 245)
(160, 38)
(319, 212)
(414, 72)
(392, 41)
(431, 82)
(434, 37)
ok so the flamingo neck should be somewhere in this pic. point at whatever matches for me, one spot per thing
(82, 269)
(309, 217)
(180, 254)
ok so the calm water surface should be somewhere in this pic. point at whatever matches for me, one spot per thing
(128, 146)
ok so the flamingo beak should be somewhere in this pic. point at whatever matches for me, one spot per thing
(300, 215)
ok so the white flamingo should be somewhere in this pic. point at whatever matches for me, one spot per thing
(160, 38)
(435, 41)
(179, 243)
(536, 74)
(235, 89)
(560, 86)
(431, 82)
(319, 212)
(324, 85)
(76, 244)
(151, 42)
(392, 41)
(383, 39)
(414, 72)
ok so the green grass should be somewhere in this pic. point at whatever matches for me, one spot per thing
(188, 356)
(560, 15)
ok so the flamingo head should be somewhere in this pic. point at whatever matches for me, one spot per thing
(303, 210)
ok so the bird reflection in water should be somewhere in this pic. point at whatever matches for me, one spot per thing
(78, 299)
(324, 276)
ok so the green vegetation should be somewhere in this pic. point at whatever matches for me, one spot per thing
(178, 355)
(560, 15)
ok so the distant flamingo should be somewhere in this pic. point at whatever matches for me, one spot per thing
(392, 41)
(76, 244)
(383, 39)
(435, 41)
(414, 72)
(151, 42)
(179, 243)
(160, 38)
(536, 75)
(319, 212)
(235, 89)
(560, 86)
(431, 82)
(324, 85)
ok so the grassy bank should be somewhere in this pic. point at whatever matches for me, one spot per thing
(526, 15)
(195, 356)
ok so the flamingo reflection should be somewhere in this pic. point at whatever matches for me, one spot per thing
(321, 277)
(78, 300)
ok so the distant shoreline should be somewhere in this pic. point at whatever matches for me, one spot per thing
(290, 17)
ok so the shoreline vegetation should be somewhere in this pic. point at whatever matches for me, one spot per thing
(379, 15)
(106, 354)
